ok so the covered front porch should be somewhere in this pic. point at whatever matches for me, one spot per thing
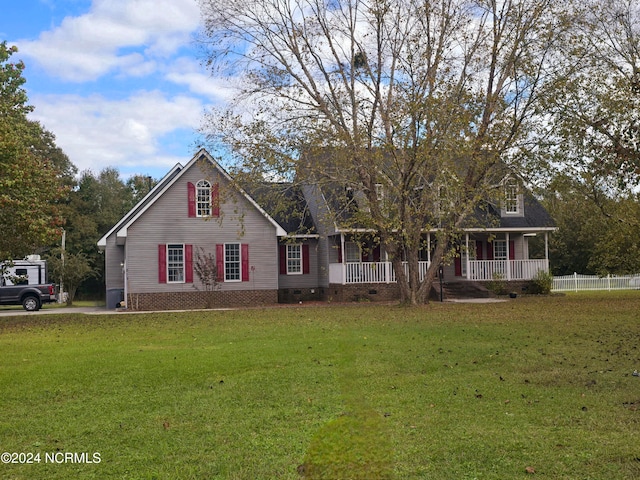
(482, 256)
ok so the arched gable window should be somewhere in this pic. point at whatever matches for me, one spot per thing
(511, 191)
(203, 198)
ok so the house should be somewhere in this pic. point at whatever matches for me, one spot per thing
(495, 244)
(285, 243)
(195, 211)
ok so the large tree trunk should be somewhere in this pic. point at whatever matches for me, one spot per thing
(412, 290)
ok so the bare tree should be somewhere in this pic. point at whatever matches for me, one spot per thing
(206, 269)
(426, 100)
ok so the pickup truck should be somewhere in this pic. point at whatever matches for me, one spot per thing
(31, 297)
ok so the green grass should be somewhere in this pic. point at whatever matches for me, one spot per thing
(448, 391)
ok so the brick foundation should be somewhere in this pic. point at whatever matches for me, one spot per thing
(199, 300)
(295, 295)
(372, 292)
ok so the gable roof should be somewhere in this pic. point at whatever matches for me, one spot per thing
(142, 204)
(487, 216)
(286, 203)
(120, 229)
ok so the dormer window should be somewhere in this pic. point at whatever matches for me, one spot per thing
(511, 204)
(379, 191)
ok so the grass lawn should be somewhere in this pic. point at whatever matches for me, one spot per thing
(447, 391)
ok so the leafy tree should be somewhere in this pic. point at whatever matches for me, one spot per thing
(592, 129)
(72, 269)
(95, 205)
(579, 225)
(597, 233)
(425, 101)
(34, 173)
(618, 248)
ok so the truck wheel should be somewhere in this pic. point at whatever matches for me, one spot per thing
(31, 303)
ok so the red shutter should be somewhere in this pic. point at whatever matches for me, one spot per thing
(220, 262)
(479, 250)
(283, 259)
(376, 254)
(512, 250)
(339, 253)
(458, 266)
(162, 264)
(489, 250)
(191, 199)
(215, 200)
(188, 263)
(305, 259)
(245, 262)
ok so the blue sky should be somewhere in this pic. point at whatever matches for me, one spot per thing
(118, 82)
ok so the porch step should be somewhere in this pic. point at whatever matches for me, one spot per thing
(456, 290)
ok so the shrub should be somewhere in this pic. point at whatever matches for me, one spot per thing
(542, 283)
(498, 284)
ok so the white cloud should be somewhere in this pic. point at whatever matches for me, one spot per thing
(101, 41)
(184, 71)
(95, 132)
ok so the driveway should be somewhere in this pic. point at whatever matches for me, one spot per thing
(46, 310)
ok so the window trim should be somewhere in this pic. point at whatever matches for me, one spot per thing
(181, 247)
(299, 259)
(239, 262)
(204, 204)
(511, 197)
(379, 191)
(495, 250)
(350, 250)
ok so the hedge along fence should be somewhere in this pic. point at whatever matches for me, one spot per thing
(577, 282)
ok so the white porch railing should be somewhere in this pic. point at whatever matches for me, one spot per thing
(479, 270)
(368, 272)
(484, 270)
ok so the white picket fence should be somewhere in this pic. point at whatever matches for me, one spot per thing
(577, 282)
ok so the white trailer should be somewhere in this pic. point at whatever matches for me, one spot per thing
(32, 267)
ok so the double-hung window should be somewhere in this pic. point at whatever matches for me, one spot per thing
(175, 263)
(353, 253)
(500, 249)
(294, 259)
(232, 262)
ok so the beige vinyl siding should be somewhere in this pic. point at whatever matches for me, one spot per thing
(309, 280)
(325, 226)
(113, 260)
(167, 221)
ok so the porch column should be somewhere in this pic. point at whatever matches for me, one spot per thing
(387, 267)
(508, 257)
(546, 249)
(466, 235)
(429, 248)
